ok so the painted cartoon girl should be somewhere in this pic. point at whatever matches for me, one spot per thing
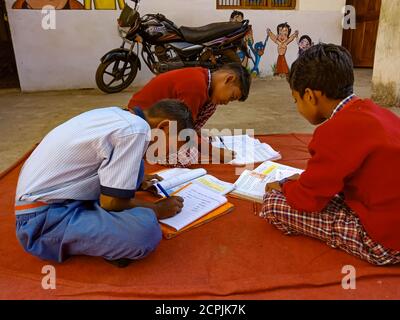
(282, 39)
(304, 44)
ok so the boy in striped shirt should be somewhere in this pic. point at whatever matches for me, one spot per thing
(76, 192)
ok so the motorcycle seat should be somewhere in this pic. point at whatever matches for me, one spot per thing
(209, 32)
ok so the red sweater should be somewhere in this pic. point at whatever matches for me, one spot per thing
(189, 85)
(357, 152)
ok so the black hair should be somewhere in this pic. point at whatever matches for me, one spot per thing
(237, 13)
(284, 25)
(324, 67)
(173, 110)
(243, 76)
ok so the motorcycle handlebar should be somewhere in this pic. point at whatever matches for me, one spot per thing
(245, 23)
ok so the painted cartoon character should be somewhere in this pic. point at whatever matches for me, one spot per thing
(243, 52)
(39, 4)
(69, 4)
(304, 43)
(282, 39)
(236, 16)
(258, 51)
(104, 4)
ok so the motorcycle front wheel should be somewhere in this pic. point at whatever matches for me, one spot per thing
(116, 74)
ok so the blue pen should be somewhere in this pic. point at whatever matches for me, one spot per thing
(162, 190)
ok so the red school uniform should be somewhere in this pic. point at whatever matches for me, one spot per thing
(356, 153)
(190, 85)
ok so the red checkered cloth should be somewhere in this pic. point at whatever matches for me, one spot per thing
(187, 157)
(337, 225)
(183, 158)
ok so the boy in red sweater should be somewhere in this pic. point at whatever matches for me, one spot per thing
(202, 91)
(349, 194)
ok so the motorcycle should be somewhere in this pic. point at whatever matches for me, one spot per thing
(165, 46)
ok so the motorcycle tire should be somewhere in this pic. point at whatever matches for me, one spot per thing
(132, 65)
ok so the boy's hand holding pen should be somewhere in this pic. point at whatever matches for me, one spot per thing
(168, 206)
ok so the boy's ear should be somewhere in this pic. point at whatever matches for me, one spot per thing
(230, 78)
(311, 96)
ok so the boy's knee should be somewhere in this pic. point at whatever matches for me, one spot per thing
(270, 201)
(146, 234)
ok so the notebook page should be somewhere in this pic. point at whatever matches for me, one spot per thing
(214, 184)
(277, 171)
(171, 173)
(252, 184)
(198, 201)
(174, 181)
(255, 153)
(248, 150)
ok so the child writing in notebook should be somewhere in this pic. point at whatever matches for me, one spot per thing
(348, 196)
(202, 91)
(76, 192)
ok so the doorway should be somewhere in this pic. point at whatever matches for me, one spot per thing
(361, 42)
(8, 67)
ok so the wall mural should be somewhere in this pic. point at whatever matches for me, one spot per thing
(256, 50)
(70, 4)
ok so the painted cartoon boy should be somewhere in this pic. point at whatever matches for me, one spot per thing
(282, 39)
(243, 52)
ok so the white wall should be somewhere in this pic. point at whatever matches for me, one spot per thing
(386, 77)
(67, 57)
(318, 5)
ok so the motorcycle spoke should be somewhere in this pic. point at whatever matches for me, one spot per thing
(111, 82)
(109, 73)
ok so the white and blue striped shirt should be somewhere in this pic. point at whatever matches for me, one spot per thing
(99, 151)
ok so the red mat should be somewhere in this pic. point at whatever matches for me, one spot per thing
(237, 256)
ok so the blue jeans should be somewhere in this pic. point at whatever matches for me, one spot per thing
(59, 231)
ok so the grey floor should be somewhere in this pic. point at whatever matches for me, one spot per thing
(25, 118)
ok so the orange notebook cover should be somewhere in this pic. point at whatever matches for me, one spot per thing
(169, 232)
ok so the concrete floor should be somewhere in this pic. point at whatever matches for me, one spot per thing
(25, 118)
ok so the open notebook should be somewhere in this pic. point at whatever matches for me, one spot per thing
(200, 205)
(251, 184)
(176, 178)
(248, 150)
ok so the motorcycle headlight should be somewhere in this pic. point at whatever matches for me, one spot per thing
(123, 31)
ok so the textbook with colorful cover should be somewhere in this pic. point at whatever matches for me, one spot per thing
(176, 178)
(251, 184)
(201, 205)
